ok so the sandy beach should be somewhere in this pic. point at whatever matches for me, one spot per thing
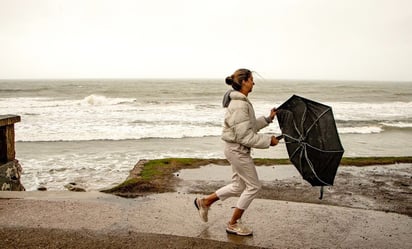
(369, 207)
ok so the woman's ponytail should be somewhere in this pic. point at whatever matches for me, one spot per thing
(229, 80)
(236, 79)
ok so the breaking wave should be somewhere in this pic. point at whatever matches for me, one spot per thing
(99, 116)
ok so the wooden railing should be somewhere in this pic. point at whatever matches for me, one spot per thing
(7, 151)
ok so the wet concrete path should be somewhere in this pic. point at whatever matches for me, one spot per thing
(276, 224)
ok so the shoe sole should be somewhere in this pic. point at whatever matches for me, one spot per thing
(196, 204)
(198, 209)
(238, 234)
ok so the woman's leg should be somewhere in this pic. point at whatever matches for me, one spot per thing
(245, 180)
(237, 214)
(247, 172)
(210, 199)
(230, 190)
(249, 177)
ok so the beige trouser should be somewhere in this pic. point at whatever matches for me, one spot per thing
(245, 180)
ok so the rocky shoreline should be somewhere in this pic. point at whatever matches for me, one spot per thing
(10, 174)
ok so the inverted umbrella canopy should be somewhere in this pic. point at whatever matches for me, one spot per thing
(311, 138)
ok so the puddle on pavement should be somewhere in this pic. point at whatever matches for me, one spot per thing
(214, 172)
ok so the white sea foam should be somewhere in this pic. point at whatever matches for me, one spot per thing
(360, 130)
(397, 124)
(97, 117)
(103, 100)
(354, 111)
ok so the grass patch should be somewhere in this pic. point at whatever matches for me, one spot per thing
(157, 175)
(367, 161)
(161, 167)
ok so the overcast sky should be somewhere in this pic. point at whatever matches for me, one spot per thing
(280, 39)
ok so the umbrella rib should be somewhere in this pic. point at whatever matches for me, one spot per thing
(295, 139)
(313, 147)
(312, 168)
(303, 121)
(296, 128)
(317, 119)
(327, 151)
(297, 149)
(293, 154)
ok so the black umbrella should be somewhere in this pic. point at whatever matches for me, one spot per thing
(311, 138)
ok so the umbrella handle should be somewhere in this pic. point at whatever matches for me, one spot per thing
(321, 193)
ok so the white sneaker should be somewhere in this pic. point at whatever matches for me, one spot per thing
(239, 229)
(203, 210)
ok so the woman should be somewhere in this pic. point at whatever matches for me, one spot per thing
(240, 134)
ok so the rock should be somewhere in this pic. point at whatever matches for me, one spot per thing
(74, 187)
(41, 188)
(10, 173)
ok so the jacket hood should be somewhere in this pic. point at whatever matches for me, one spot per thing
(232, 94)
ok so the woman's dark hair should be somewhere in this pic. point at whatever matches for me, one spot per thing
(236, 79)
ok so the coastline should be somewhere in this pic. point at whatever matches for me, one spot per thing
(99, 164)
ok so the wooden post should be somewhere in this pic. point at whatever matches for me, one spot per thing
(7, 151)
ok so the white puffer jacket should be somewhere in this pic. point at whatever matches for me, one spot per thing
(241, 125)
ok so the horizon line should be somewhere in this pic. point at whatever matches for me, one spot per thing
(200, 78)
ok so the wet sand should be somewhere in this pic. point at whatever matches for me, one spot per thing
(380, 187)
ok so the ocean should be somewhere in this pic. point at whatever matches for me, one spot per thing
(93, 132)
